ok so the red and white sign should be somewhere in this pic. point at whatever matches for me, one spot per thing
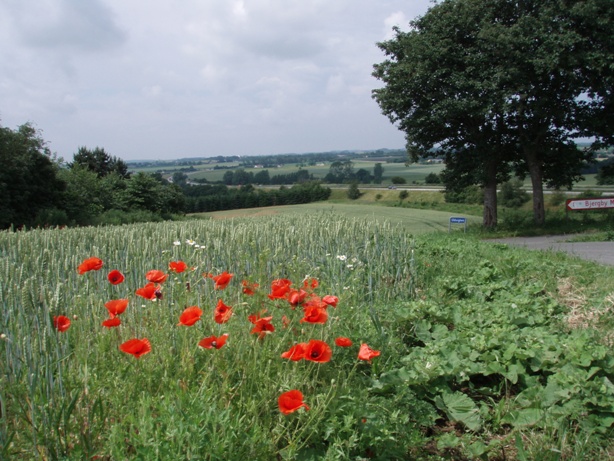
(590, 203)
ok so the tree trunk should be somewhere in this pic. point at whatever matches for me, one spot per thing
(490, 195)
(536, 173)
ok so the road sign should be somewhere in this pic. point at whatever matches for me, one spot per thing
(589, 203)
(457, 220)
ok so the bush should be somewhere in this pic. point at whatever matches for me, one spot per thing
(557, 198)
(470, 194)
(353, 191)
(398, 180)
(432, 178)
(512, 195)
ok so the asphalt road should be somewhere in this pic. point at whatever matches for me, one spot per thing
(601, 252)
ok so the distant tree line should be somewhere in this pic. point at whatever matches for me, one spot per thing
(340, 172)
(40, 189)
(219, 197)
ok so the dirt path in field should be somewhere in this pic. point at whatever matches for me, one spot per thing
(600, 252)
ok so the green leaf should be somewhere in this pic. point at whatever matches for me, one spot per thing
(459, 407)
(524, 417)
(423, 330)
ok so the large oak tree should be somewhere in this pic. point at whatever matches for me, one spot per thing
(503, 86)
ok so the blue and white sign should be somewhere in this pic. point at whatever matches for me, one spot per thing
(457, 220)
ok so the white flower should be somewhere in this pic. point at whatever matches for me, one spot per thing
(350, 266)
(190, 242)
(342, 257)
(176, 243)
(354, 260)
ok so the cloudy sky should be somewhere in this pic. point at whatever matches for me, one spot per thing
(155, 79)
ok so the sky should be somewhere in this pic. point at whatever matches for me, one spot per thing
(162, 80)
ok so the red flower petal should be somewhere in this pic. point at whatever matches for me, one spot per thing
(291, 401)
(112, 322)
(213, 342)
(156, 276)
(116, 306)
(366, 353)
(190, 316)
(61, 323)
(90, 264)
(136, 347)
(115, 277)
(342, 341)
(177, 266)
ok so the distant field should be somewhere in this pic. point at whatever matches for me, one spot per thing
(413, 220)
(413, 174)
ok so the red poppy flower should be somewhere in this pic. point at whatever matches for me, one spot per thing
(296, 297)
(116, 306)
(149, 291)
(61, 323)
(90, 264)
(112, 322)
(366, 353)
(318, 351)
(311, 283)
(177, 266)
(313, 300)
(295, 353)
(222, 312)
(330, 300)
(115, 277)
(291, 401)
(222, 280)
(279, 288)
(190, 316)
(249, 288)
(213, 341)
(263, 327)
(342, 341)
(136, 347)
(314, 314)
(156, 276)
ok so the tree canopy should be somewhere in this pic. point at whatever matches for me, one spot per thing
(503, 87)
(28, 180)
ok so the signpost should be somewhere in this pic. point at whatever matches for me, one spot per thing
(576, 204)
(457, 220)
(589, 203)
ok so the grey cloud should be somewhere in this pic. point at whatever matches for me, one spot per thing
(73, 25)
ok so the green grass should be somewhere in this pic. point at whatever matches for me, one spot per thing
(415, 221)
(484, 349)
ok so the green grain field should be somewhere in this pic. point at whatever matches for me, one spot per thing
(429, 345)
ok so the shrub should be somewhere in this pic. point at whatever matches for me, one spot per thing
(432, 178)
(353, 191)
(512, 195)
(398, 180)
(557, 198)
(470, 194)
